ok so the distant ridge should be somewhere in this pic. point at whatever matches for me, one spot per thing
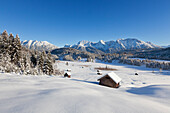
(113, 46)
(166, 46)
(38, 45)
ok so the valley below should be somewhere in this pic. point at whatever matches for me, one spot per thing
(147, 92)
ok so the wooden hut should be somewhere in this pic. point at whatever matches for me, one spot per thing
(110, 80)
(67, 74)
(99, 72)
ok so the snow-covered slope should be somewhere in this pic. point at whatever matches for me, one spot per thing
(153, 45)
(120, 44)
(39, 45)
(146, 93)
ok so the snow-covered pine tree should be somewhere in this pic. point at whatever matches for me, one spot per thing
(41, 63)
(10, 45)
(5, 41)
(45, 65)
(5, 34)
(11, 38)
(46, 68)
(50, 63)
(17, 51)
(27, 63)
(33, 61)
(6, 63)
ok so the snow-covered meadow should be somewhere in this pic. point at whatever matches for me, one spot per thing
(147, 92)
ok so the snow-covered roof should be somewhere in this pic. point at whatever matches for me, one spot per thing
(98, 70)
(113, 76)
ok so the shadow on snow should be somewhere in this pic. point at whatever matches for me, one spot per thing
(92, 82)
(147, 91)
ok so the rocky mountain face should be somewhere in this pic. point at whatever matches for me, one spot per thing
(38, 45)
(113, 46)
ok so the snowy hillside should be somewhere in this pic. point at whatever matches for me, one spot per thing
(39, 45)
(111, 46)
(144, 93)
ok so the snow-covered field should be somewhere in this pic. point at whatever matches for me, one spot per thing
(144, 93)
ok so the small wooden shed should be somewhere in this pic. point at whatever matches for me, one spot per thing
(110, 80)
(67, 74)
(99, 72)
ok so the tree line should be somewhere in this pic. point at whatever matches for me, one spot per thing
(146, 62)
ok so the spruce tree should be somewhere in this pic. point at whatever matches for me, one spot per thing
(50, 63)
(33, 61)
(17, 51)
(46, 68)
(40, 63)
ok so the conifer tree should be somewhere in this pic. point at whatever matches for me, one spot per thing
(33, 61)
(5, 34)
(41, 63)
(50, 63)
(46, 68)
(17, 51)
(27, 63)
(11, 39)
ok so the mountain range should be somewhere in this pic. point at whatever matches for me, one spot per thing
(38, 45)
(112, 46)
(100, 47)
(89, 49)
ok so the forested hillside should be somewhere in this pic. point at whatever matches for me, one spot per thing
(20, 60)
(162, 54)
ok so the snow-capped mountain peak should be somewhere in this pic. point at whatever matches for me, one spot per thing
(84, 43)
(39, 45)
(102, 42)
(119, 44)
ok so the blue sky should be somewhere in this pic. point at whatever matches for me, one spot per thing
(68, 21)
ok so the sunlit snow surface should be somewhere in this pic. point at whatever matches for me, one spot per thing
(146, 92)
